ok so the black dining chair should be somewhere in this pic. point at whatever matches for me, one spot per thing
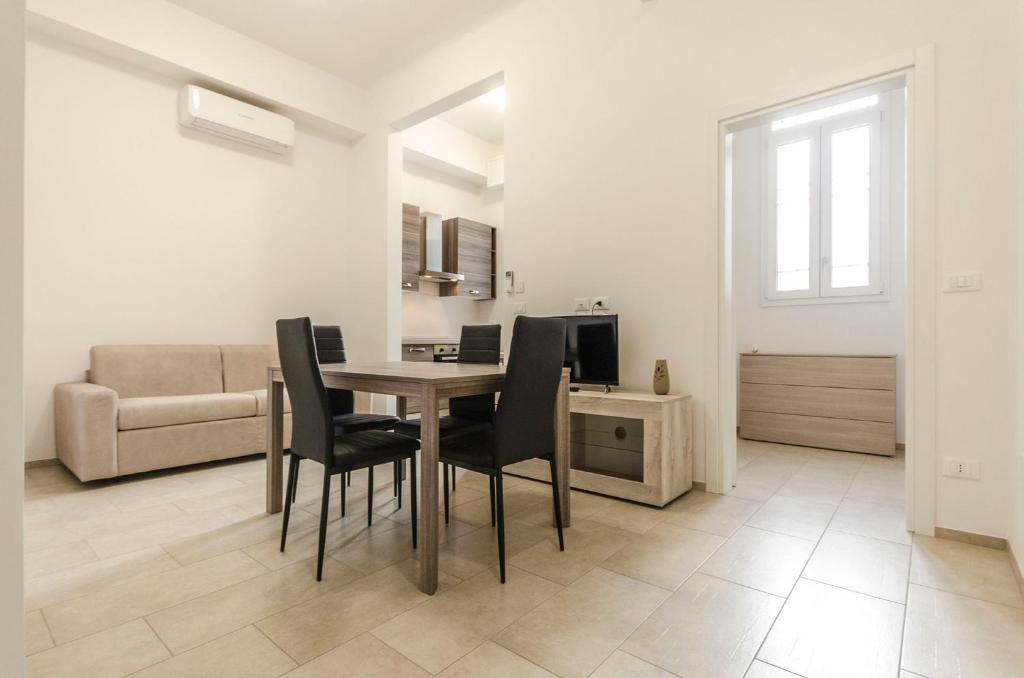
(330, 348)
(480, 344)
(314, 435)
(524, 423)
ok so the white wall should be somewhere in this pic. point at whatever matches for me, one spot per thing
(424, 313)
(872, 328)
(611, 179)
(140, 231)
(1016, 478)
(12, 87)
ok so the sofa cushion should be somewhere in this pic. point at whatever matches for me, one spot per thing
(155, 370)
(245, 366)
(150, 412)
(261, 401)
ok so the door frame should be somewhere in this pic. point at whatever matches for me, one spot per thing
(917, 68)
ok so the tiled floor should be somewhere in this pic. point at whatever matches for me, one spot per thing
(805, 569)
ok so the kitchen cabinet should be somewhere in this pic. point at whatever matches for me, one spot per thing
(470, 249)
(412, 247)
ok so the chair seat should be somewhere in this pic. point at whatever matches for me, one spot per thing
(473, 448)
(447, 425)
(367, 448)
(358, 421)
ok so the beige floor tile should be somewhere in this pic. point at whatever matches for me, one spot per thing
(828, 631)
(452, 624)
(584, 505)
(969, 570)
(761, 670)
(198, 488)
(632, 517)
(587, 544)
(825, 486)
(716, 513)
(878, 484)
(871, 566)
(766, 561)
(871, 519)
(383, 549)
(664, 556)
(761, 478)
(85, 526)
(234, 536)
(321, 624)
(91, 577)
(795, 517)
(490, 660)
(573, 633)
(166, 531)
(363, 656)
(112, 653)
(246, 653)
(145, 594)
(622, 665)
(834, 460)
(210, 616)
(953, 636)
(64, 557)
(709, 628)
(37, 636)
(303, 543)
(467, 555)
(518, 499)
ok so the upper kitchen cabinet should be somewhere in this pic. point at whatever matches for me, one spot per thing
(412, 247)
(470, 249)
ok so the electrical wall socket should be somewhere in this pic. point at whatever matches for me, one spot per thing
(581, 304)
(605, 303)
(520, 308)
(962, 468)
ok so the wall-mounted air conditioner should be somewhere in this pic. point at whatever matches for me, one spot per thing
(233, 119)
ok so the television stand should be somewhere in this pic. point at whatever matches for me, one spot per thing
(576, 388)
(627, 444)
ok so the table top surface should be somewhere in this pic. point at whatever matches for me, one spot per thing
(413, 372)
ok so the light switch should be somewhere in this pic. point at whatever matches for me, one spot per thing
(969, 281)
(520, 287)
(520, 307)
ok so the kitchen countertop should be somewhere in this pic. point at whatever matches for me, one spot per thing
(428, 340)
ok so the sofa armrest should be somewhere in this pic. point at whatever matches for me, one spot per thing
(86, 427)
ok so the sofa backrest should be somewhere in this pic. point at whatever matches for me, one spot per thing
(245, 365)
(157, 370)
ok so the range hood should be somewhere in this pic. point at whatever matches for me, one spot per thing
(433, 250)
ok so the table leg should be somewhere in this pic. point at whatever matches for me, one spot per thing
(428, 491)
(275, 442)
(562, 446)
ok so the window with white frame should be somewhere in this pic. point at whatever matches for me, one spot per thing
(823, 185)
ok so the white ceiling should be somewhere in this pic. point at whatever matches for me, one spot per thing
(359, 40)
(483, 117)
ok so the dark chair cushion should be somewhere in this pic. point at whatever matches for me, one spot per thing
(446, 425)
(371, 447)
(472, 449)
(355, 422)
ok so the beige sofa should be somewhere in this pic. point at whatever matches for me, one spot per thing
(152, 407)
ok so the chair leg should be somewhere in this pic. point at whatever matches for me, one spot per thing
(412, 496)
(490, 481)
(558, 505)
(453, 478)
(445, 474)
(344, 498)
(399, 467)
(394, 479)
(323, 523)
(293, 470)
(295, 481)
(499, 496)
(369, 496)
(348, 478)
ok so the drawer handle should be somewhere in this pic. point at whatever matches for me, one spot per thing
(474, 291)
(407, 285)
(420, 349)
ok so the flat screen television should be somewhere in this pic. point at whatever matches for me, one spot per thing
(592, 349)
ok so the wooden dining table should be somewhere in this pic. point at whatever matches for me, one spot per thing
(430, 382)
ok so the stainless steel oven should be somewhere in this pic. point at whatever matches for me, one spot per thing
(446, 353)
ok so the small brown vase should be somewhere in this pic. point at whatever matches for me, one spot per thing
(661, 383)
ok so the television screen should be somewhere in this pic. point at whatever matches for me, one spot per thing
(592, 349)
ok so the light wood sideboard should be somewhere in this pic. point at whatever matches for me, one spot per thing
(630, 445)
(840, 402)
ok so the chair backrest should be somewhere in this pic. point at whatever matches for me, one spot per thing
(524, 424)
(330, 348)
(478, 344)
(312, 424)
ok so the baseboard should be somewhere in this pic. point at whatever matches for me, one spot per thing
(41, 462)
(697, 485)
(1015, 566)
(997, 543)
